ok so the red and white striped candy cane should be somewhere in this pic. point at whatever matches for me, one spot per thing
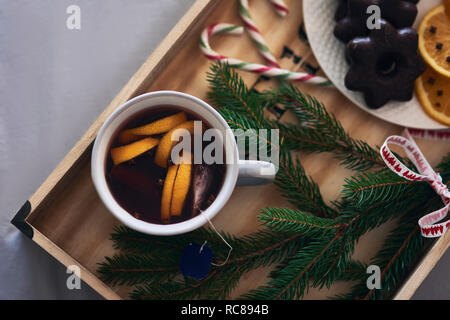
(428, 224)
(254, 33)
(280, 7)
(267, 71)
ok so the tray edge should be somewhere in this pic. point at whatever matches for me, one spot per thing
(427, 263)
(19, 220)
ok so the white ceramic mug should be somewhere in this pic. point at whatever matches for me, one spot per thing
(237, 171)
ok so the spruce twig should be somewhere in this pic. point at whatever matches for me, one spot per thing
(299, 189)
(319, 131)
(159, 276)
(233, 99)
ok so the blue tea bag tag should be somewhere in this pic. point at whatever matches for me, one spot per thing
(196, 261)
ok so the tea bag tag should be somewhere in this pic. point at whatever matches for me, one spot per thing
(196, 260)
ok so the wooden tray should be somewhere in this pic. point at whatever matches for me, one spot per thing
(66, 217)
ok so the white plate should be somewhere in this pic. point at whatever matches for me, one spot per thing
(330, 53)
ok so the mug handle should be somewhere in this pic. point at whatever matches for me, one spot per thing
(254, 172)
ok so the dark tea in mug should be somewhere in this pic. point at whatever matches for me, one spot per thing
(142, 176)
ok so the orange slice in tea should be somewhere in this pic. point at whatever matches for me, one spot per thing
(175, 189)
(433, 92)
(156, 127)
(132, 150)
(167, 192)
(180, 188)
(434, 38)
(168, 141)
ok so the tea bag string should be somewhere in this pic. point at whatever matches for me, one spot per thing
(223, 239)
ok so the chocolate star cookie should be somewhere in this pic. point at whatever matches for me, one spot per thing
(384, 65)
(401, 13)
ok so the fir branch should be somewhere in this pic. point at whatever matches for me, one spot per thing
(382, 185)
(133, 241)
(175, 290)
(325, 260)
(320, 131)
(229, 92)
(226, 282)
(132, 269)
(249, 252)
(271, 247)
(401, 250)
(231, 95)
(403, 246)
(291, 280)
(299, 189)
(394, 271)
(396, 259)
(354, 271)
(398, 255)
(295, 221)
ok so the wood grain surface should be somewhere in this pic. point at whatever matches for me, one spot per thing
(71, 222)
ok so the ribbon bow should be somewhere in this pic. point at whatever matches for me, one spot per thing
(428, 223)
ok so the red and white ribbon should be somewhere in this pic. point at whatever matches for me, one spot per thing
(429, 225)
(267, 71)
(430, 134)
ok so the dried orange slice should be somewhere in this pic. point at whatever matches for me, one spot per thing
(156, 127)
(434, 39)
(433, 91)
(132, 150)
(168, 141)
(175, 189)
(167, 192)
(180, 188)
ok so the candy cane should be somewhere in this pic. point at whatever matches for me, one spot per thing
(280, 7)
(254, 33)
(273, 72)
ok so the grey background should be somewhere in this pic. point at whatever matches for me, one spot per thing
(54, 83)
